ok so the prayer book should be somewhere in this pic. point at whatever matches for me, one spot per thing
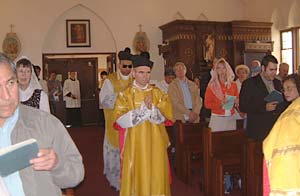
(228, 105)
(274, 96)
(16, 157)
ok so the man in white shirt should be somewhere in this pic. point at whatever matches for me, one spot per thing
(71, 92)
(169, 77)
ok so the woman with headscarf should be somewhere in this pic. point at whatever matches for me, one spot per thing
(30, 90)
(281, 147)
(221, 97)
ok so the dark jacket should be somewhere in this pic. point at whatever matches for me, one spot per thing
(259, 121)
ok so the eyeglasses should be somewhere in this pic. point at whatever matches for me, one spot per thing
(125, 66)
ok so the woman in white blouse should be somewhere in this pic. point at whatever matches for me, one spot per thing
(30, 90)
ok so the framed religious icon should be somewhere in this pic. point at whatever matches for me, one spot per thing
(78, 33)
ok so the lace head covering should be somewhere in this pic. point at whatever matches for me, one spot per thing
(214, 82)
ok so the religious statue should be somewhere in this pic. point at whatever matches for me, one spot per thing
(209, 47)
(141, 42)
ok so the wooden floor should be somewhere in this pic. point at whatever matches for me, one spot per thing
(89, 141)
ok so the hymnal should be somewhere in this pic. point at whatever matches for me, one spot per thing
(16, 157)
(274, 96)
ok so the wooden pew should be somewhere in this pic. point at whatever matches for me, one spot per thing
(254, 168)
(68, 192)
(223, 151)
(188, 142)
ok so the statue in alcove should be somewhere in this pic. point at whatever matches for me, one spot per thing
(209, 47)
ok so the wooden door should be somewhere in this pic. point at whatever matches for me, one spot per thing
(87, 76)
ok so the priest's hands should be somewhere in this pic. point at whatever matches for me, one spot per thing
(148, 102)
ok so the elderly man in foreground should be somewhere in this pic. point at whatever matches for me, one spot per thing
(58, 163)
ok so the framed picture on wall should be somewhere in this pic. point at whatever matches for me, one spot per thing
(78, 33)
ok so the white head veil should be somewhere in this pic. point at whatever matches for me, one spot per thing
(34, 82)
(214, 82)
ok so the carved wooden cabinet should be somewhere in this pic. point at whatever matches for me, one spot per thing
(197, 42)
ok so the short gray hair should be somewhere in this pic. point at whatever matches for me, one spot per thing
(177, 64)
(5, 60)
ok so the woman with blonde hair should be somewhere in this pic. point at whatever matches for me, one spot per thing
(221, 97)
(241, 72)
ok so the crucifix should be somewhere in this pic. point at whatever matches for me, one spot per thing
(11, 27)
(140, 27)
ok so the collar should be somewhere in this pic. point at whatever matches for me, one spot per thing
(121, 76)
(265, 80)
(142, 88)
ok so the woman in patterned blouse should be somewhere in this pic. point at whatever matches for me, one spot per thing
(30, 91)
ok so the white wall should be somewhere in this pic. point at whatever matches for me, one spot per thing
(40, 24)
(283, 14)
(36, 20)
(103, 40)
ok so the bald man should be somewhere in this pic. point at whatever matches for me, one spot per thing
(283, 71)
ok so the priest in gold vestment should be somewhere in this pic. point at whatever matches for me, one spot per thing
(282, 146)
(141, 114)
(115, 83)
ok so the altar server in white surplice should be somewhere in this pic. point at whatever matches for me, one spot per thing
(71, 92)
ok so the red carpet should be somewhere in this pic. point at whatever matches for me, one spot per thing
(89, 141)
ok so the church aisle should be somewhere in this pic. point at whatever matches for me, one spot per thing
(89, 141)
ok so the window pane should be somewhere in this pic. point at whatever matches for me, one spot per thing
(287, 57)
(287, 40)
(298, 48)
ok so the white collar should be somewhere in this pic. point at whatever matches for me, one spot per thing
(122, 76)
(142, 88)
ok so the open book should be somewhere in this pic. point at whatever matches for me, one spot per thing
(274, 96)
(16, 157)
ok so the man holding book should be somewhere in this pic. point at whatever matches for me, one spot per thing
(58, 163)
(261, 114)
(257, 100)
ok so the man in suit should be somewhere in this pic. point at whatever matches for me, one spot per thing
(261, 114)
(185, 97)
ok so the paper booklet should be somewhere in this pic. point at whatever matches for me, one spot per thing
(228, 105)
(274, 96)
(16, 157)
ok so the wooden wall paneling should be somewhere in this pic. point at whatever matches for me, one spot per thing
(185, 40)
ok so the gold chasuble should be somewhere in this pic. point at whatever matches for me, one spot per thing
(282, 153)
(144, 159)
(119, 85)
